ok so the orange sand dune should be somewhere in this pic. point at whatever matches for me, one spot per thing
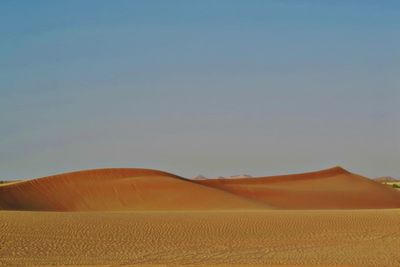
(333, 188)
(117, 189)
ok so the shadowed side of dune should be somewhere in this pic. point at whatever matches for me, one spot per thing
(117, 189)
(333, 188)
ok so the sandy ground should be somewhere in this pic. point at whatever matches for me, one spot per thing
(270, 237)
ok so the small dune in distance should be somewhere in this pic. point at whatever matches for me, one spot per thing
(386, 179)
(389, 181)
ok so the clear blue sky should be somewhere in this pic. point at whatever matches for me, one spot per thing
(199, 87)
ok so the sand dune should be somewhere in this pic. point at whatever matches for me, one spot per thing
(144, 189)
(117, 189)
(333, 188)
(173, 238)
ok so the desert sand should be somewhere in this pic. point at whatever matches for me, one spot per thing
(147, 217)
(331, 238)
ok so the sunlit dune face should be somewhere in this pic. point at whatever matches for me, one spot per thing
(117, 189)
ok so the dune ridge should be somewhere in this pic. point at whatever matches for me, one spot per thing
(117, 189)
(333, 188)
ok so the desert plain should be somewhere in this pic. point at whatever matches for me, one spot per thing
(144, 217)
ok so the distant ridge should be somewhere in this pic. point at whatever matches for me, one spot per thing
(387, 179)
(239, 176)
(199, 177)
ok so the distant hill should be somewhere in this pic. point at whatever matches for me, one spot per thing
(386, 179)
(219, 177)
(9, 181)
(240, 176)
(199, 177)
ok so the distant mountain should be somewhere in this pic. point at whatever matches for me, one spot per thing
(386, 179)
(240, 176)
(199, 177)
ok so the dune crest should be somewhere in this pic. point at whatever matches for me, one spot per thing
(333, 188)
(117, 189)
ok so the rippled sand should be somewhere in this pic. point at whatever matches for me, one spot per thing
(330, 237)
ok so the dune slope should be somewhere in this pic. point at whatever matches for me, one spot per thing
(117, 189)
(333, 188)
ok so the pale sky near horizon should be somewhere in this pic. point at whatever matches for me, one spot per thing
(199, 87)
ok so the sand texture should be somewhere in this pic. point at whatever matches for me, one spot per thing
(353, 238)
(333, 188)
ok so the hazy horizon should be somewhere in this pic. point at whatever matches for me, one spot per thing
(207, 87)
